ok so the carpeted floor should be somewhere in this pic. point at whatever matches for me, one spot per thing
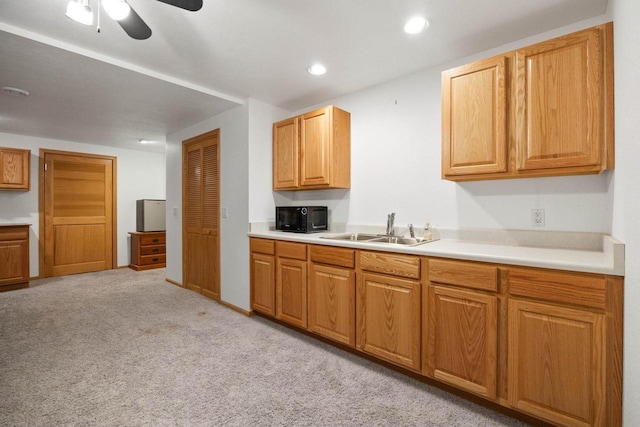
(120, 348)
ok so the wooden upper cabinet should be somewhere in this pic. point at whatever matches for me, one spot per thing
(313, 151)
(15, 169)
(543, 110)
(560, 122)
(474, 128)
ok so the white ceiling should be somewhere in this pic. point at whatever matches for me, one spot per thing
(106, 88)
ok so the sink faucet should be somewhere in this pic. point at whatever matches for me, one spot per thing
(390, 218)
(412, 233)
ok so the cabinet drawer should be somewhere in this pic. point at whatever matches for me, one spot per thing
(292, 250)
(153, 259)
(333, 256)
(467, 274)
(572, 288)
(397, 265)
(9, 234)
(263, 246)
(153, 250)
(153, 240)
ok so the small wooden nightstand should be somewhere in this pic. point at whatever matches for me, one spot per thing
(148, 250)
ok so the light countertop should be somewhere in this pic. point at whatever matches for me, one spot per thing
(582, 252)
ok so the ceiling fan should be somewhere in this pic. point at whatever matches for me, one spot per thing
(123, 13)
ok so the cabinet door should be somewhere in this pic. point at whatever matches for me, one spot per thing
(263, 284)
(315, 148)
(14, 262)
(388, 319)
(474, 121)
(332, 305)
(14, 169)
(556, 363)
(291, 291)
(285, 155)
(560, 102)
(462, 340)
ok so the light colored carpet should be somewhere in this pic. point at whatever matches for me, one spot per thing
(120, 347)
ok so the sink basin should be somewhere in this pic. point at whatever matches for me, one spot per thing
(379, 238)
(356, 237)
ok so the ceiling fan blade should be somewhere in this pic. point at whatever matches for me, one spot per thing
(134, 26)
(192, 5)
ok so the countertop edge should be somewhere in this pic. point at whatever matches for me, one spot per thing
(609, 261)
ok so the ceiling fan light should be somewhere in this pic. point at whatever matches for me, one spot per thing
(117, 9)
(79, 11)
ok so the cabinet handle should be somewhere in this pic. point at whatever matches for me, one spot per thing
(155, 259)
(155, 249)
(155, 240)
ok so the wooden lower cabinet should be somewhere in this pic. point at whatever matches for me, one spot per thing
(388, 318)
(546, 343)
(291, 283)
(14, 256)
(556, 363)
(148, 250)
(463, 340)
(332, 294)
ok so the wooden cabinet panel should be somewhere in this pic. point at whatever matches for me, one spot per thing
(291, 250)
(15, 169)
(262, 246)
(263, 283)
(291, 291)
(334, 256)
(388, 263)
(559, 104)
(557, 363)
(474, 114)
(286, 154)
(332, 293)
(461, 273)
(313, 151)
(388, 318)
(14, 256)
(462, 339)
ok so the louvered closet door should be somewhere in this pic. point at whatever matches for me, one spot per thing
(201, 219)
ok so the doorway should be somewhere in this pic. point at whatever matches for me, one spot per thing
(201, 214)
(77, 196)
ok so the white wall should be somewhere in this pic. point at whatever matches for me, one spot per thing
(626, 202)
(134, 182)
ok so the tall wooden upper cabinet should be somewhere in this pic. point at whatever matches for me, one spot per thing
(313, 151)
(543, 110)
(14, 169)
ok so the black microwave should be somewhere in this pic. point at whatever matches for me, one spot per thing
(301, 219)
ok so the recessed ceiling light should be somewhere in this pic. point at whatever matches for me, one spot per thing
(146, 141)
(416, 25)
(14, 91)
(317, 69)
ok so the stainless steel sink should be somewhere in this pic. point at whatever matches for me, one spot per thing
(378, 238)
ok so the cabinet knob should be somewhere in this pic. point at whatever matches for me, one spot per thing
(155, 240)
(155, 249)
(155, 259)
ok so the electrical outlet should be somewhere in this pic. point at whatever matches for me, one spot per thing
(537, 217)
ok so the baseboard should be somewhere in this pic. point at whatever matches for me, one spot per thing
(173, 282)
(236, 308)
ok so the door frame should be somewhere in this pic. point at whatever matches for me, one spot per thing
(41, 203)
(196, 139)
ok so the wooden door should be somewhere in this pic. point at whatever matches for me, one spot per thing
(474, 118)
(315, 148)
(201, 214)
(556, 363)
(291, 291)
(462, 340)
(332, 305)
(263, 283)
(286, 174)
(560, 118)
(388, 318)
(77, 197)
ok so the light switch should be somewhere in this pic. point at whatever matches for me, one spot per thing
(225, 213)
(175, 211)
